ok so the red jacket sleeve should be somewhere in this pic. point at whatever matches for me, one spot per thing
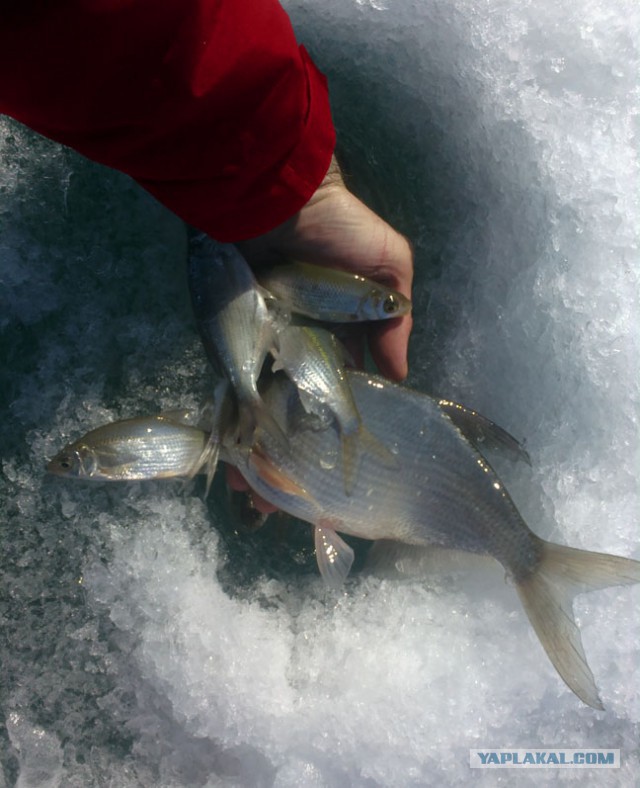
(208, 104)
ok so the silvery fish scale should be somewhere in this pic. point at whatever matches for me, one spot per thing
(442, 490)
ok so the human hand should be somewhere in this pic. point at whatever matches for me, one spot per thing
(336, 229)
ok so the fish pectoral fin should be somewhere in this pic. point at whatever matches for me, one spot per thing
(333, 554)
(547, 596)
(275, 477)
(483, 432)
(117, 458)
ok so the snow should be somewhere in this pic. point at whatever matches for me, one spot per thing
(148, 639)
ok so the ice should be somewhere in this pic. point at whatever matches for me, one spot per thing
(148, 639)
(39, 753)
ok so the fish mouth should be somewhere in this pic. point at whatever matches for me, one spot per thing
(60, 465)
(53, 468)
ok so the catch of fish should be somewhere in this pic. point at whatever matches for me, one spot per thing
(347, 451)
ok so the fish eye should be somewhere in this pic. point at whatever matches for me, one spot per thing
(390, 305)
(65, 463)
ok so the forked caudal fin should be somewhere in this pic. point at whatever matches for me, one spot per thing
(547, 595)
(217, 412)
(254, 415)
(208, 460)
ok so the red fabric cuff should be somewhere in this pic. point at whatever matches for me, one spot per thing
(239, 208)
(209, 104)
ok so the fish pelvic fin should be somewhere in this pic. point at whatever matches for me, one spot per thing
(333, 554)
(547, 596)
(356, 443)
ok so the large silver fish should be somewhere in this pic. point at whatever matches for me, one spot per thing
(314, 359)
(332, 295)
(236, 328)
(443, 492)
(152, 447)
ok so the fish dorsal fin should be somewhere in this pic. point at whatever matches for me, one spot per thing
(185, 416)
(334, 556)
(482, 432)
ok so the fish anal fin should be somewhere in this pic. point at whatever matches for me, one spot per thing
(396, 559)
(547, 596)
(483, 432)
(333, 554)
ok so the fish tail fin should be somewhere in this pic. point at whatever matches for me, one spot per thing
(547, 596)
(350, 451)
(214, 412)
(375, 446)
(209, 459)
(353, 445)
(254, 415)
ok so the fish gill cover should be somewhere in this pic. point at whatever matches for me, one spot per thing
(145, 641)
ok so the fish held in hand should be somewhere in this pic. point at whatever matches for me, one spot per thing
(314, 359)
(237, 330)
(332, 295)
(443, 492)
(153, 447)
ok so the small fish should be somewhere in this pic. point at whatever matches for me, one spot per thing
(236, 329)
(332, 295)
(314, 360)
(153, 447)
(443, 493)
